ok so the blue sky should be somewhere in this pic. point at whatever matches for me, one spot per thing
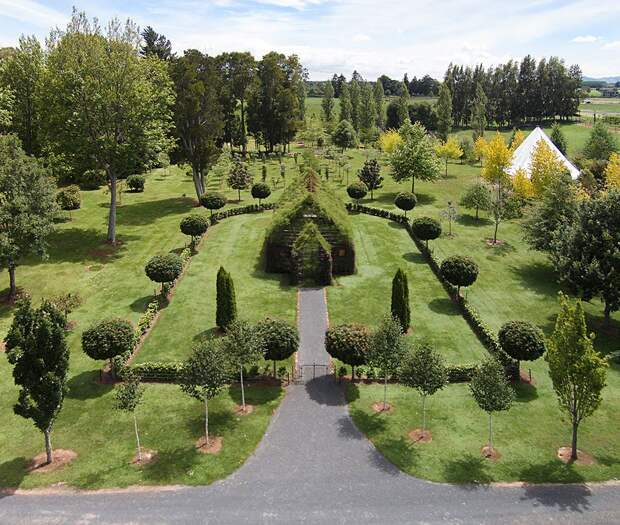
(374, 37)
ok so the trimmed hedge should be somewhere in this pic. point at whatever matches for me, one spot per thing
(159, 372)
(69, 198)
(136, 183)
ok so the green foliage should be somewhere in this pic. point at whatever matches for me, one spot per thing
(213, 201)
(479, 112)
(327, 104)
(66, 302)
(490, 388)
(226, 311)
(136, 183)
(444, 112)
(459, 270)
(129, 393)
(426, 228)
(311, 254)
(344, 136)
(558, 138)
(415, 157)
(239, 178)
(260, 191)
(108, 338)
(206, 371)
(477, 197)
(195, 226)
(69, 198)
(387, 347)
(92, 179)
(370, 174)
(164, 268)
(585, 252)
(577, 371)
(405, 201)
(348, 343)
(521, 340)
(357, 190)
(346, 108)
(28, 206)
(280, 339)
(37, 349)
(601, 143)
(400, 300)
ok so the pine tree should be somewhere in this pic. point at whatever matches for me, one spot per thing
(558, 138)
(400, 300)
(444, 112)
(226, 308)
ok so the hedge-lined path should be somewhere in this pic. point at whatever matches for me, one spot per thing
(313, 465)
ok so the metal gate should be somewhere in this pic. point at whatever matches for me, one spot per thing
(309, 371)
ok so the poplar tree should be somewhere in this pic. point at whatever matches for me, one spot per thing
(345, 103)
(479, 112)
(379, 96)
(444, 112)
(368, 111)
(355, 104)
(327, 104)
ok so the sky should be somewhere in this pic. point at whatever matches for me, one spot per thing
(373, 37)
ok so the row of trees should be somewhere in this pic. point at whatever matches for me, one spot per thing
(514, 92)
(425, 86)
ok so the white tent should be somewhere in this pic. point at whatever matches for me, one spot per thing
(522, 157)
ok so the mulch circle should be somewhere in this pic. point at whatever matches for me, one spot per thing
(583, 458)
(525, 378)
(491, 243)
(379, 407)
(2, 347)
(420, 436)
(60, 458)
(490, 453)
(241, 412)
(214, 446)
(148, 456)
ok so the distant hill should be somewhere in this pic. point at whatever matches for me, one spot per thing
(609, 80)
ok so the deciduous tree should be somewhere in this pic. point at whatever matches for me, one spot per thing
(129, 395)
(449, 150)
(477, 197)
(444, 112)
(370, 174)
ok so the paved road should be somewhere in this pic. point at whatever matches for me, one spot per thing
(314, 466)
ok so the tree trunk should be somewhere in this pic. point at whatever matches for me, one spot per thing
(12, 287)
(112, 213)
(477, 210)
(385, 392)
(274, 368)
(239, 195)
(243, 133)
(423, 414)
(242, 389)
(207, 421)
(198, 186)
(607, 315)
(135, 427)
(446, 167)
(412, 184)
(491, 430)
(48, 444)
(495, 232)
(573, 452)
(352, 373)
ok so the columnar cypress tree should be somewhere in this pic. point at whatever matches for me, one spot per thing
(400, 300)
(226, 308)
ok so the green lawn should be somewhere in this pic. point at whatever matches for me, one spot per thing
(112, 283)
(382, 247)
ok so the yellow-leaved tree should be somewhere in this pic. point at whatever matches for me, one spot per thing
(517, 139)
(498, 157)
(388, 140)
(612, 172)
(480, 148)
(449, 150)
(545, 167)
(522, 185)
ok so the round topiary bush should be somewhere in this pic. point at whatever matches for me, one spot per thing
(194, 226)
(349, 343)
(213, 201)
(280, 338)
(136, 183)
(426, 228)
(108, 338)
(93, 179)
(522, 341)
(164, 268)
(260, 191)
(405, 201)
(459, 270)
(69, 198)
(357, 190)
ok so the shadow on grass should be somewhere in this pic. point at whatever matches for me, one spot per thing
(443, 305)
(139, 305)
(85, 386)
(414, 257)
(498, 250)
(425, 198)
(399, 453)
(524, 392)
(352, 392)
(208, 334)
(255, 394)
(369, 424)
(470, 470)
(143, 213)
(470, 220)
(171, 465)
(538, 276)
(12, 473)
(381, 198)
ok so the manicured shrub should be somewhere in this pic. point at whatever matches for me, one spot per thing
(164, 268)
(400, 300)
(260, 191)
(349, 343)
(69, 198)
(357, 190)
(370, 175)
(108, 339)
(92, 179)
(194, 226)
(280, 338)
(226, 303)
(405, 201)
(136, 183)
(521, 340)
(459, 270)
(426, 229)
(213, 201)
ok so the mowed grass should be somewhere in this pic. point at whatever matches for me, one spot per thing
(515, 283)
(381, 248)
(112, 283)
(237, 244)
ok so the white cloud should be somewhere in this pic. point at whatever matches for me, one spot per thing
(612, 45)
(585, 39)
(32, 12)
